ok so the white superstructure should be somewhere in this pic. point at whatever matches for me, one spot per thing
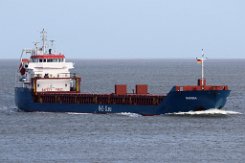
(46, 70)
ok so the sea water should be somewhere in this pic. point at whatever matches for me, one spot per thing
(203, 136)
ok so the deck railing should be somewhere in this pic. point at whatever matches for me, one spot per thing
(58, 75)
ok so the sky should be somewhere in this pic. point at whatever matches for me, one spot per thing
(126, 29)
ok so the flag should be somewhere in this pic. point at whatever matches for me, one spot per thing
(199, 61)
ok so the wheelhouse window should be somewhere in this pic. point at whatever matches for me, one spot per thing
(34, 60)
(47, 60)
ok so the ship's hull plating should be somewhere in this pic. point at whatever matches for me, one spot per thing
(175, 101)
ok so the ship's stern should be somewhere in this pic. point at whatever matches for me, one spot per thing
(23, 98)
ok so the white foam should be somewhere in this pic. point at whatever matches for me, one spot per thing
(208, 112)
(73, 113)
(129, 114)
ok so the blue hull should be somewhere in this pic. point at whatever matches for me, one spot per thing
(175, 101)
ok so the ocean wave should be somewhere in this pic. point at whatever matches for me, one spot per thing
(207, 112)
(122, 113)
(7, 109)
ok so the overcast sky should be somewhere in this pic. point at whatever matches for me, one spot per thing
(126, 28)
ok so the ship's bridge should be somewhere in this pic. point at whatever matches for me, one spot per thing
(49, 64)
(48, 58)
(47, 67)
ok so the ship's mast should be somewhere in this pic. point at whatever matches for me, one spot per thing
(44, 38)
(202, 68)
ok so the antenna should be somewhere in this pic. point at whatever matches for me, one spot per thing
(44, 39)
(35, 44)
(51, 43)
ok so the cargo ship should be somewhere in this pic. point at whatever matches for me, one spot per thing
(44, 83)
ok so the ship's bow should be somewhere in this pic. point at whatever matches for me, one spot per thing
(194, 100)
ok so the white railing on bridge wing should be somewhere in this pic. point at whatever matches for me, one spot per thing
(58, 75)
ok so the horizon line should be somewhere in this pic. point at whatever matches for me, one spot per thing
(130, 58)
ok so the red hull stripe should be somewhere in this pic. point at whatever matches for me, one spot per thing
(24, 60)
(49, 56)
